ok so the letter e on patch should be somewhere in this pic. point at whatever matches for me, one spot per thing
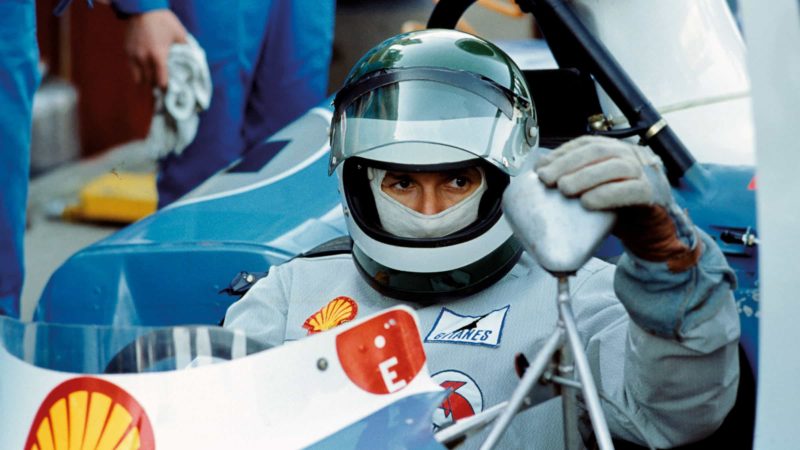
(383, 354)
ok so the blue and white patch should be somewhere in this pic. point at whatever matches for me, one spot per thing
(454, 328)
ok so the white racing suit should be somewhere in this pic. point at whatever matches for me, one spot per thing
(676, 381)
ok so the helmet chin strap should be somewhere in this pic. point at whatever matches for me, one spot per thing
(403, 221)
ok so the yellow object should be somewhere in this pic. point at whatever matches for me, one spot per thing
(502, 7)
(116, 197)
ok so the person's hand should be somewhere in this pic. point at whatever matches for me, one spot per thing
(605, 173)
(609, 174)
(149, 37)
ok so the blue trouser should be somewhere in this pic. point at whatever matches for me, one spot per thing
(19, 77)
(269, 63)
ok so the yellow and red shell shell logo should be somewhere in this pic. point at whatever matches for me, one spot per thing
(335, 313)
(90, 414)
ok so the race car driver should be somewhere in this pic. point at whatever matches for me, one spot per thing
(427, 131)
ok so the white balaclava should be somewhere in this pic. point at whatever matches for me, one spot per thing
(403, 221)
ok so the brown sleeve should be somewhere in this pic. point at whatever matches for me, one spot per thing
(649, 233)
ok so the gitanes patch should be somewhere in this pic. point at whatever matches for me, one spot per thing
(454, 328)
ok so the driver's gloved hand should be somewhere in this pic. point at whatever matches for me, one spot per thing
(609, 174)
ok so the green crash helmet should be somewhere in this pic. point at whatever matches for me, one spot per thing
(428, 101)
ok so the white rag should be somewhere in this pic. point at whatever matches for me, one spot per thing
(175, 117)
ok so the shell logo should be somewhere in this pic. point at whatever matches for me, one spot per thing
(90, 414)
(336, 312)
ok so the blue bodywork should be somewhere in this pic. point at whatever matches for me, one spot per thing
(403, 424)
(728, 205)
(170, 267)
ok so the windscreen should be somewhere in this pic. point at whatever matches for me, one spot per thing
(93, 349)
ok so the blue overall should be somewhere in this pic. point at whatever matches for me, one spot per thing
(19, 77)
(269, 63)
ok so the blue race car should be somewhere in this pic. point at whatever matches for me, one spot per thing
(177, 266)
(277, 201)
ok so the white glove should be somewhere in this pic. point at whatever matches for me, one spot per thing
(605, 173)
(612, 174)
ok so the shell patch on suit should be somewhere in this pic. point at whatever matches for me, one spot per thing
(336, 312)
(454, 328)
(465, 399)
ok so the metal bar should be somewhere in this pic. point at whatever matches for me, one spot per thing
(447, 12)
(565, 382)
(566, 369)
(574, 45)
(469, 425)
(569, 401)
(520, 394)
(590, 395)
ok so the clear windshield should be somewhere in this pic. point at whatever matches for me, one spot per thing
(93, 349)
(404, 113)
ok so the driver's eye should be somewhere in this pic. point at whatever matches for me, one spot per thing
(403, 184)
(459, 182)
